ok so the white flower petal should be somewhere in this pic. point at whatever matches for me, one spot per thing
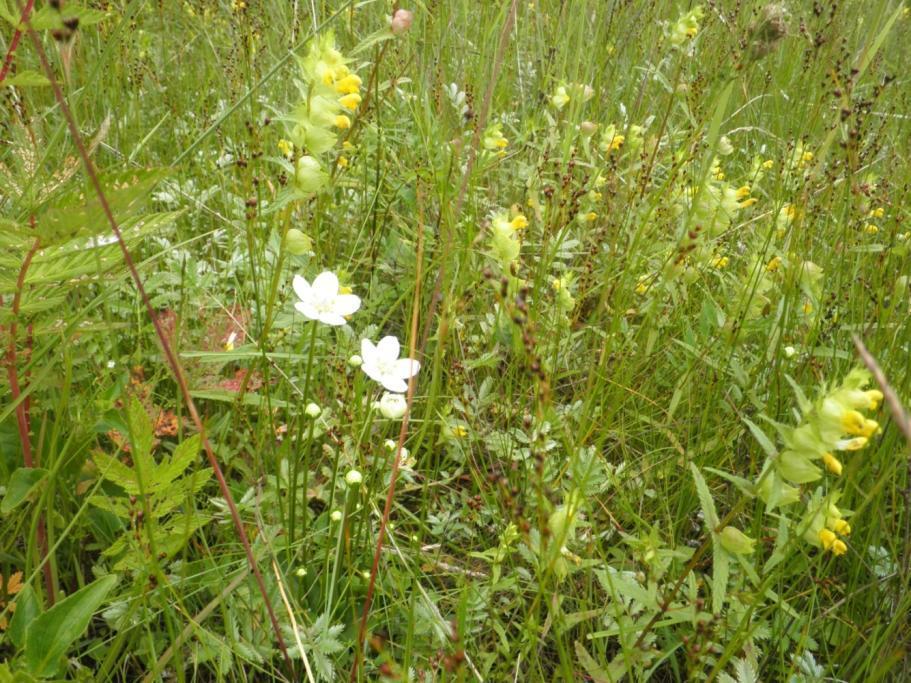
(368, 351)
(406, 368)
(346, 304)
(325, 284)
(301, 287)
(388, 348)
(306, 309)
(394, 384)
(332, 318)
(372, 371)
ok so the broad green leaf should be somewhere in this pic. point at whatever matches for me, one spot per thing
(27, 78)
(27, 608)
(20, 486)
(50, 635)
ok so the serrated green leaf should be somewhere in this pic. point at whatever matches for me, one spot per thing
(705, 500)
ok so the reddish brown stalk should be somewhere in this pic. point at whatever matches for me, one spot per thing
(22, 421)
(17, 34)
(903, 420)
(169, 354)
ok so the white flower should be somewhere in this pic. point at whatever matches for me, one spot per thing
(322, 301)
(393, 406)
(382, 364)
(353, 478)
(313, 410)
(336, 516)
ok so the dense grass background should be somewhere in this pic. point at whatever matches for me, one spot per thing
(530, 408)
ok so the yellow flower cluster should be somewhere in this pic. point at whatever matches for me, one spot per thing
(330, 92)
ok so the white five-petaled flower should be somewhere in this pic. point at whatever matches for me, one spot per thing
(382, 364)
(322, 300)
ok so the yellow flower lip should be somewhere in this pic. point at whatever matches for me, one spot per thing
(832, 464)
(827, 538)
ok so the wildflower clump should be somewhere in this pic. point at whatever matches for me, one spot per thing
(834, 423)
(685, 28)
(330, 93)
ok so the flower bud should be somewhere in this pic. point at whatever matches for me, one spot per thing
(310, 176)
(401, 21)
(312, 410)
(298, 243)
(393, 406)
(588, 128)
(353, 478)
(736, 542)
(336, 516)
(355, 361)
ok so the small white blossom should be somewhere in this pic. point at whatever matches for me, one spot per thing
(322, 300)
(313, 410)
(336, 516)
(393, 406)
(353, 478)
(382, 364)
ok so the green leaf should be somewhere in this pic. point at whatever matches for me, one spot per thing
(184, 456)
(142, 436)
(592, 668)
(77, 211)
(705, 500)
(764, 441)
(27, 608)
(27, 78)
(50, 635)
(21, 484)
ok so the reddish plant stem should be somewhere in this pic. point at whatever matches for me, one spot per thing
(14, 43)
(168, 351)
(22, 418)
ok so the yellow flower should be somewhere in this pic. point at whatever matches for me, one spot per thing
(342, 162)
(520, 222)
(460, 431)
(748, 202)
(827, 538)
(768, 163)
(285, 147)
(840, 526)
(807, 308)
(720, 262)
(348, 85)
(742, 192)
(347, 146)
(591, 216)
(878, 212)
(852, 422)
(343, 122)
(773, 264)
(350, 101)
(871, 229)
(557, 284)
(832, 463)
(839, 548)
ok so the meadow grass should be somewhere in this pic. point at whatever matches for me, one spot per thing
(631, 246)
